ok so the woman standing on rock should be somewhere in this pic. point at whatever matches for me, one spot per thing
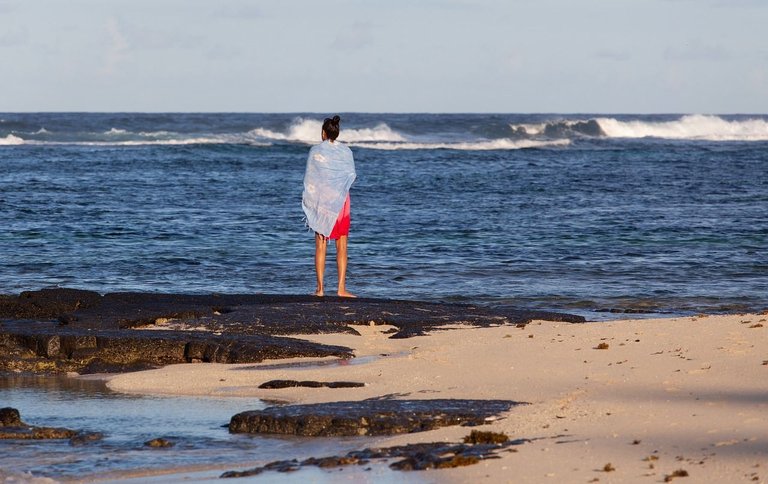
(330, 173)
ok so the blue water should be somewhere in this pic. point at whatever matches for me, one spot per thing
(656, 214)
(203, 448)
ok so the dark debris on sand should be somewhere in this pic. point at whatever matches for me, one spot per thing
(61, 330)
(412, 457)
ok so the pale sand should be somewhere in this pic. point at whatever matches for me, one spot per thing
(692, 392)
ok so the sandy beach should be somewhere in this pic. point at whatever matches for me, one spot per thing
(621, 401)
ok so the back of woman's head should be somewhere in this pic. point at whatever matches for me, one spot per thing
(331, 127)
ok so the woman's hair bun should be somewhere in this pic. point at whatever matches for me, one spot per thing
(331, 127)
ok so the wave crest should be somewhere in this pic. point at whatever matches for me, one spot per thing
(496, 144)
(689, 127)
(11, 140)
(308, 131)
(693, 127)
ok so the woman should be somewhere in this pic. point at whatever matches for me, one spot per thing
(330, 173)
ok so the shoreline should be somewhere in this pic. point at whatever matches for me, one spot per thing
(664, 395)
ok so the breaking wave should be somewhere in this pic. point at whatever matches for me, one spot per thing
(11, 140)
(383, 137)
(457, 133)
(694, 127)
(689, 127)
(308, 131)
(497, 144)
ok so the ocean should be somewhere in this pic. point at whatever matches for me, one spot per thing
(599, 215)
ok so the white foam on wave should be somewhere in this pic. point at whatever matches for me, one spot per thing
(530, 129)
(308, 131)
(11, 140)
(169, 142)
(157, 134)
(496, 144)
(14, 140)
(115, 131)
(694, 127)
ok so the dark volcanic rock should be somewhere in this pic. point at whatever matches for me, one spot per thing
(85, 438)
(12, 427)
(10, 417)
(46, 303)
(60, 330)
(46, 347)
(435, 455)
(255, 314)
(480, 437)
(159, 443)
(277, 384)
(367, 417)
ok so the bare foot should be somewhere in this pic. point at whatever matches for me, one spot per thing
(319, 293)
(345, 294)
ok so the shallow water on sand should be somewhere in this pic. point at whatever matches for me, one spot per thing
(203, 448)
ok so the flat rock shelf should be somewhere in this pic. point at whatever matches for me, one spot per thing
(70, 330)
(381, 416)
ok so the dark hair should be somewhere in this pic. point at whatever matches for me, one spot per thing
(331, 127)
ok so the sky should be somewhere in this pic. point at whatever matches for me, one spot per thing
(508, 56)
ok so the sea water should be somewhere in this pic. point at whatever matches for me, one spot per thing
(583, 213)
(203, 447)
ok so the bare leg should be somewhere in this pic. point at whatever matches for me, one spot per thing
(321, 244)
(341, 264)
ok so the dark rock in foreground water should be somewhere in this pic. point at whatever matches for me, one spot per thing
(85, 438)
(159, 443)
(12, 427)
(61, 330)
(10, 417)
(367, 417)
(436, 455)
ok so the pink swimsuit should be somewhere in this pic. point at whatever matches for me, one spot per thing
(342, 223)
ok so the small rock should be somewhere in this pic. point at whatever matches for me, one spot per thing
(10, 417)
(85, 438)
(677, 473)
(479, 437)
(159, 443)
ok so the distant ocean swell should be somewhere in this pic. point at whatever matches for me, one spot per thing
(495, 135)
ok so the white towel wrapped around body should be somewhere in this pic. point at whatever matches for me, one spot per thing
(330, 173)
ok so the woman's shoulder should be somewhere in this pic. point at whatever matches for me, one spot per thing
(343, 147)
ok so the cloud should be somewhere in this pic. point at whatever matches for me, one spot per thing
(152, 39)
(725, 3)
(697, 51)
(239, 11)
(8, 6)
(15, 37)
(221, 52)
(357, 36)
(117, 47)
(613, 55)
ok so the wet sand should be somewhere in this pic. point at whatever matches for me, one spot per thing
(622, 401)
